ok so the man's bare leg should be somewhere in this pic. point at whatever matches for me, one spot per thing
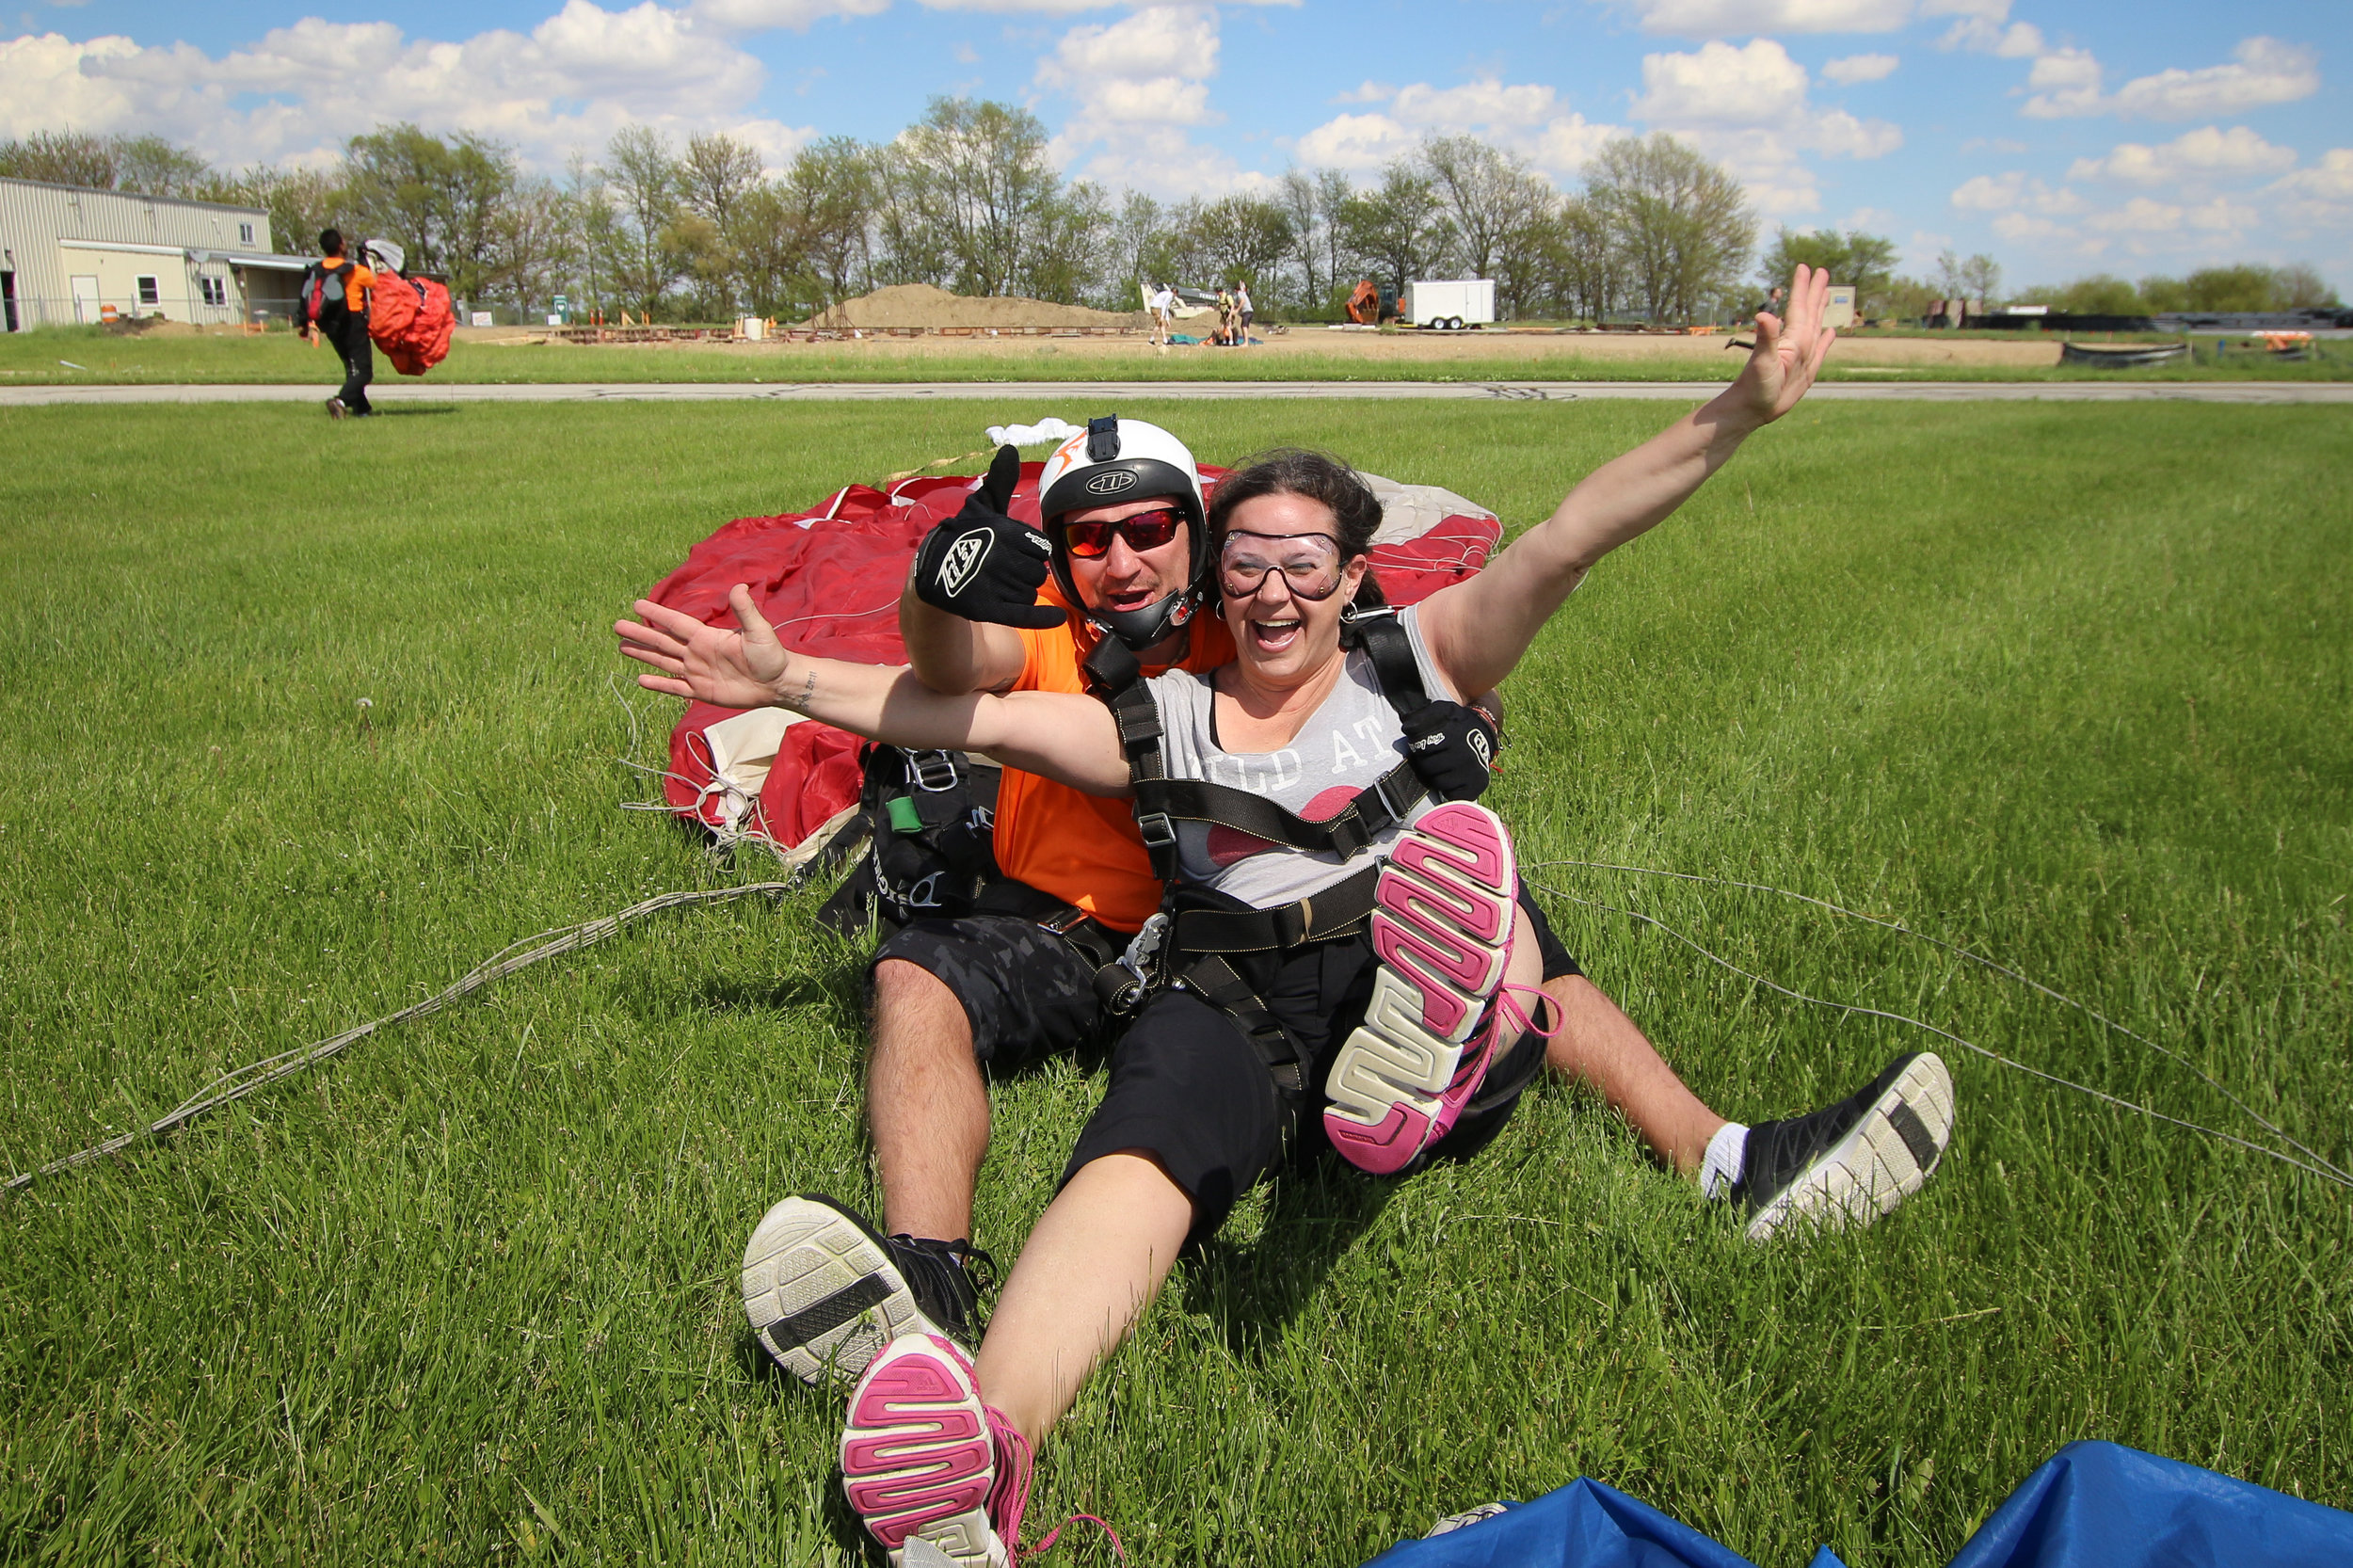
(925, 1104)
(1599, 1046)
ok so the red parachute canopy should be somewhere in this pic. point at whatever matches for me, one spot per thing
(829, 580)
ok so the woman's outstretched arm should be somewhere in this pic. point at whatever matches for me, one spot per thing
(1477, 630)
(1056, 734)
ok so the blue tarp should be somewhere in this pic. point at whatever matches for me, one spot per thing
(2096, 1505)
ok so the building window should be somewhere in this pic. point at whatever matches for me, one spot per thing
(213, 291)
(149, 293)
(245, 234)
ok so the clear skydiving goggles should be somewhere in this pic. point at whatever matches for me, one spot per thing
(1311, 563)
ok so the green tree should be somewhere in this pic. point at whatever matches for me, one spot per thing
(2299, 286)
(1682, 224)
(830, 191)
(715, 175)
(2163, 296)
(440, 200)
(1578, 267)
(62, 158)
(1494, 200)
(1240, 239)
(1066, 246)
(2102, 294)
(534, 246)
(1978, 278)
(975, 189)
(1398, 228)
(300, 203)
(642, 172)
(1867, 261)
(1138, 237)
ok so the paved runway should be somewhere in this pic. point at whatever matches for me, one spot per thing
(1095, 393)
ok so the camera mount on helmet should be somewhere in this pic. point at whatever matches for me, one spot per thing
(1111, 462)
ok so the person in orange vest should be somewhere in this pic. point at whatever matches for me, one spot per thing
(335, 307)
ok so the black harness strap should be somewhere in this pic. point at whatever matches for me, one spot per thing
(1213, 979)
(1336, 911)
(1199, 936)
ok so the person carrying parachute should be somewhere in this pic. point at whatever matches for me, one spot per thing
(333, 306)
(1336, 934)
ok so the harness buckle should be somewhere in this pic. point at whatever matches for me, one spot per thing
(1396, 810)
(1157, 829)
(925, 766)
(1293, 923)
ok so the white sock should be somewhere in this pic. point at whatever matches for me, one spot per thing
(1726, 1152)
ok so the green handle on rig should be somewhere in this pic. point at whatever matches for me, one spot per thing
(903, 816)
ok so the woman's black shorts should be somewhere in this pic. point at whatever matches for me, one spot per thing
(1187, 1084)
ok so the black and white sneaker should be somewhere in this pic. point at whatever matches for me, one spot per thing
(1852, 1161)
(824, 1291)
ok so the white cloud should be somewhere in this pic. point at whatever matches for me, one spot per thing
(1525, 118)
(745, 16)
(1747, 106)
(1357, 142)
(2266, 72)
(2065, 83)
(2020, 40)
(1370, 92)
(1995, 193)
(1141, 83)
(1712, 19)
(1151, 68)
(568, 83)
(2140, 216)
(2321, 196)
(1861, 67)
(2196, 155)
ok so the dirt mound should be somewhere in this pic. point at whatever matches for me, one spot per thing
(923, 307)
(149, 326)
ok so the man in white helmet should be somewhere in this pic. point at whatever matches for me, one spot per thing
(1112, 587)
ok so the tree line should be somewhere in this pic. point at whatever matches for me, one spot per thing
(968, 200)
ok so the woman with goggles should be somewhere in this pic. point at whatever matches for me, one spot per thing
(1190, 1118)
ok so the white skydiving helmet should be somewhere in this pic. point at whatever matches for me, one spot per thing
(1114, 461)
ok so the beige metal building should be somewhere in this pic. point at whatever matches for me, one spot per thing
(68, 254)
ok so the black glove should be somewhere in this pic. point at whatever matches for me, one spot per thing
(1452, 747)
(983, 565)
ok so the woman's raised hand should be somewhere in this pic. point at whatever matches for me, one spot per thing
(733, 669)
(1789, 351)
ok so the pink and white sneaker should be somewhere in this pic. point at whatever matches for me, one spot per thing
(923, 1459)
(1442, 926)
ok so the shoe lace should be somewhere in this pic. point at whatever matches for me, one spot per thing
(950, 1276)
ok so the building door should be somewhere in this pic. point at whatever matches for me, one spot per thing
(7, 300)
(86, 300)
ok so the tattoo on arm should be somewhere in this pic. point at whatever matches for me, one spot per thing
(809, 688)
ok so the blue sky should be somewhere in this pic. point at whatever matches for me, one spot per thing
(2060, 137)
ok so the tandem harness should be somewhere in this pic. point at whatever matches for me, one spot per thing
(1200, 933)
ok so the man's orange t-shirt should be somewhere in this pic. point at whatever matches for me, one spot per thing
(1084, 849)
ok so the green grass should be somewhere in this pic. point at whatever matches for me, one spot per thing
(33, 359)
(2066, 681)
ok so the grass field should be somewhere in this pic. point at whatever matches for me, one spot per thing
(51, 355)
(2069, 683)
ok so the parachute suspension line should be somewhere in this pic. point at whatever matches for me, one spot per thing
(1959, 951)
(245, 1081)
(2324, 1169)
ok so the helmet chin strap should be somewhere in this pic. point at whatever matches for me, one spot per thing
(1145, 626)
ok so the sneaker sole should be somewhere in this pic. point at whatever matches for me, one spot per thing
(820, 1293)
(1442, 928)
(918, 1461)
(1886, 1157)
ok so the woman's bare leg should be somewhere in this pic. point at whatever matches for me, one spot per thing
(1095, 1261)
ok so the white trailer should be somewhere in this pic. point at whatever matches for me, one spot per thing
(1451, 305)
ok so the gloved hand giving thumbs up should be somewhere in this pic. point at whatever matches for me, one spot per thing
(982, 565)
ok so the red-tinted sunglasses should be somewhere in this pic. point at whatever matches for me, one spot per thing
(1144, 531)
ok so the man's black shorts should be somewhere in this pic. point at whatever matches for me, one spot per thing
(1187, 1084)
(1029, 993)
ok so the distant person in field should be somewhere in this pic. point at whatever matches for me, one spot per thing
(1164, 309)
(334, 306)
(1243, 311)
